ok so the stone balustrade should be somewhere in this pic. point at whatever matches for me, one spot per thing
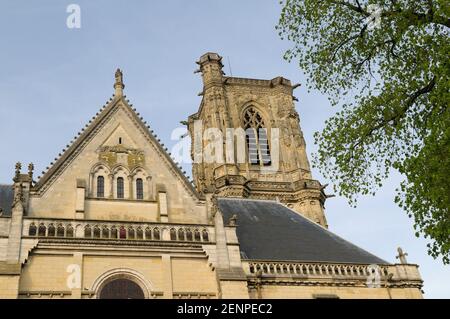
(96, 229)
(297, 269)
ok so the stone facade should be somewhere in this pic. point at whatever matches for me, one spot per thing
(114, 206)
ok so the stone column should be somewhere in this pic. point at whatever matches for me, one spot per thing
(130, 187)
(167, 276)
(111, 185)
(150, 191)
(76, 272)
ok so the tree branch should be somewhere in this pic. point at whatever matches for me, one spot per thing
(395, 117)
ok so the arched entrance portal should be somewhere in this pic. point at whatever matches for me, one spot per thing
(121, 289)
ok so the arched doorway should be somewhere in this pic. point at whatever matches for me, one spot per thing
(121, 289)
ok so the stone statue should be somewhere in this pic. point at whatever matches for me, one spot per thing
(119, 76)
(232, 220)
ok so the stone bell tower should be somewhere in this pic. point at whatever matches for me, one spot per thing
(275, 164)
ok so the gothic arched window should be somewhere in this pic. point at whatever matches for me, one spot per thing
(180, 234)
(131, 233)
(69, 231)
(173, 234)
(139, 189)
(205, 235)
(256, 137)
(32, 230)
(97, 232)
(100, 186)
(156, 234)
(42, 230)
(148, 233)
(105, 232)
(60, 230)
(188, 235)
(51, 230)
(139, 233)
(122, 233)
(87, 231)
(114, 232)
(120, 188)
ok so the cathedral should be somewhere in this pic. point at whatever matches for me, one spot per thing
(114, 216)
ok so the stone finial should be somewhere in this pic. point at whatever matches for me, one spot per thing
(18, 168)
(232, 220)
(30, 170)
(401, 256)
(118, 85)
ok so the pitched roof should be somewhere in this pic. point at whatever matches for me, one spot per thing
(90, 130)
(268, 230)
(6, 198)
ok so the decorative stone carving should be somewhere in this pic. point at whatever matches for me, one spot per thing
(110, 155)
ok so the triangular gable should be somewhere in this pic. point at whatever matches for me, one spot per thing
(89, 131)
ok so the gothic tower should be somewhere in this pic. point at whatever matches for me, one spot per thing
(263, 156)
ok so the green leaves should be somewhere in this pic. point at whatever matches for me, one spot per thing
(398, 75)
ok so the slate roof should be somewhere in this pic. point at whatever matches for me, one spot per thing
(6, 198)
(268, 230)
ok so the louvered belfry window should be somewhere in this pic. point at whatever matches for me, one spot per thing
(256, 137)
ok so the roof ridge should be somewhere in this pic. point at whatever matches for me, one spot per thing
(84, 131)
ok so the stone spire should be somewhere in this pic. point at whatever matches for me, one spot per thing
(118, 85)
(17, 171)
(30, 170)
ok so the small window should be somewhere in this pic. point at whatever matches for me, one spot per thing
(180, 234)
(122, 233)
(51, 230)
(100, 186)
(205, 235)
(156, 235)
(188, 235)
(131, 233)
(42, 229)
(96, 232)
(173, 234)
(120, 140)
(105, 232)
(120, 189)
(69, 231)
(139, 189)
(139, 233)
(148, 233)
(32, 230)
(87, 231)
(60, 231)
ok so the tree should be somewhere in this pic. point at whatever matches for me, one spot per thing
(385, 64)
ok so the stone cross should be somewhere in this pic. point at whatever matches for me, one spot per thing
(402, 256)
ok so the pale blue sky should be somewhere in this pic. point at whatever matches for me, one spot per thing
(54, 79)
